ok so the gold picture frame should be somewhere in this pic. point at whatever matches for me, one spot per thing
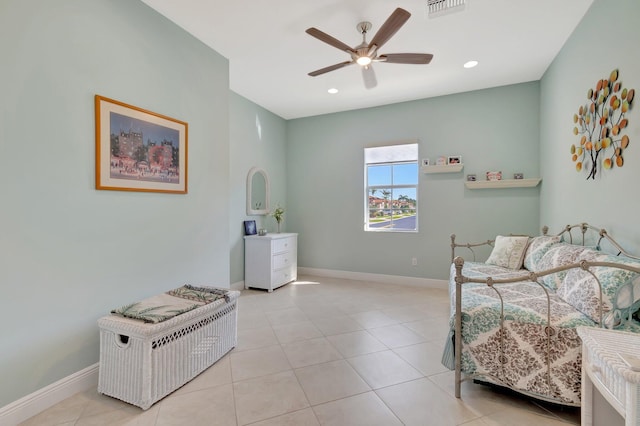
(139, 150)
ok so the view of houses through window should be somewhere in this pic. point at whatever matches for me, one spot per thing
(391, 188)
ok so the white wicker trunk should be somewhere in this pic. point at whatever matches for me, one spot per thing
(142, 363)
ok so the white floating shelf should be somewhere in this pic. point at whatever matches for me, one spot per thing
(506, 183)
(447, 168)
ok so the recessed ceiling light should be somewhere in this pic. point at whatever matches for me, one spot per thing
(470, 64)
(333, 90)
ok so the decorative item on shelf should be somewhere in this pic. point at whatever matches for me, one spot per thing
(441, 161)
(601, 122)
(262, 232)
(471, 178)
(493, 176)
(425, 162)
(249, 227)
(278, 215)
(518, 176)
(454, 159)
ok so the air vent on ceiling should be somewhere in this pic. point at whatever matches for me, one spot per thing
(437, 8)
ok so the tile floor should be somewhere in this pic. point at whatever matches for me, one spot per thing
(325, 351)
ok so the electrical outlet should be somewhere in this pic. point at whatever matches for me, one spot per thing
(414, 261)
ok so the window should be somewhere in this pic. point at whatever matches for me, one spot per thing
(391, 188)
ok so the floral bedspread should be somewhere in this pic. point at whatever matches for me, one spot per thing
(536, 359)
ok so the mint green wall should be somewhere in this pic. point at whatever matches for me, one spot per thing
(607, 38)
(70, 253)
(495, 129)
(258, 139)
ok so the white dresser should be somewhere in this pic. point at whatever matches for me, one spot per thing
(604, 372)
(270, 261)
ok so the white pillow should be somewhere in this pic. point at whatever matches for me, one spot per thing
(508, 252)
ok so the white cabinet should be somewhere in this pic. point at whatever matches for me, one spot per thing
(270, 261)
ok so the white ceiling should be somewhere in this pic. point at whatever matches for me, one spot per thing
(270, 54)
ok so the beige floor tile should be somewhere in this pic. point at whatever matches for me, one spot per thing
(404, 313)
(310, 352)
(396, 336)
(257, 382)
(336, 325)
(432, 329)
(381, 369)
(373, 319)
(304, 417)
(258, 362)
(356, 343)
(425, 357)
(484, 400)
(250, 320)
(515, 417)
(121, 418)
(285, 316)
(320, 310)
(360, 410)
(415, 401)
(268, 396)
(68, 410)
(294, 332)
(254, 338)
(330, 381)
(211, 406)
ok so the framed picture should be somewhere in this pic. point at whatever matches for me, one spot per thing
(441, 161)
(250, 227)
(139, 150)
(425, 162)
(471, 178)
(493, 176)
(454, 159)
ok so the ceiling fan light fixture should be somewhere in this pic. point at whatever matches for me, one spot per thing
(363, 60)
(470, 64)
(332, 91)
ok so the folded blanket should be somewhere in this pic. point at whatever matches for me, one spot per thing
(157, 308)
(172, 303)
(201, 294)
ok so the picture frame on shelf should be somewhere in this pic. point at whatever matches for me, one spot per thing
(454, 159)
(518, 176)
(139, 150)
(250, 227)
(441, 161)
(494, 176)
(425, 162)
(471, 178)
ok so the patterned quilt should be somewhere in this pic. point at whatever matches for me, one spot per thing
(536, 351)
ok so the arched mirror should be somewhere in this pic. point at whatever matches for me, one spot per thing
(257, 192)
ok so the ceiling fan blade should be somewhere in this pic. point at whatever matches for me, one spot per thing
(369, 77)
(406, 58)
(390, 27)
(330, 68)
(331, 41)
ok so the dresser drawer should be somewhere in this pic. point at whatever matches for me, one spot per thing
(282, 276)
(282, 260)
(284, 244)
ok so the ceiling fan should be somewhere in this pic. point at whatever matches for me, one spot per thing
(366, 53)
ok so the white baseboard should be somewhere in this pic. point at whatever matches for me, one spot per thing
(32, 404)
(378, 278)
